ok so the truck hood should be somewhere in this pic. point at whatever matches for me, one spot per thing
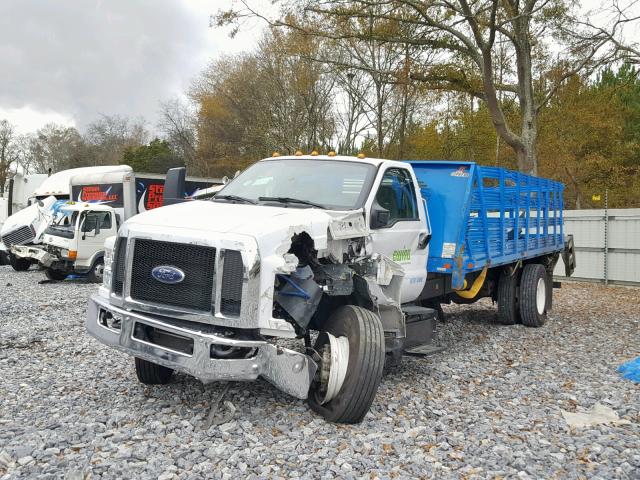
(256, 221)
(34, 215)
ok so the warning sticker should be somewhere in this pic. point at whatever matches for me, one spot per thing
(460, 172)
(448, 250)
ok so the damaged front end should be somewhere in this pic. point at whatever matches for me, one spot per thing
(340, 272)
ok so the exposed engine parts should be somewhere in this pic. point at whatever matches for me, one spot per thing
(362, 279)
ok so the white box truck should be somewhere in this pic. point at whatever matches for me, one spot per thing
(74, 242)
(27, 226)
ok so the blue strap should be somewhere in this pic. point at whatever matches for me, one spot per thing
(300, 292)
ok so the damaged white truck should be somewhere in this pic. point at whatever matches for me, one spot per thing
(351, 256)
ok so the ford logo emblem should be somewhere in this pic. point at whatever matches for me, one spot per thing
(167, 274)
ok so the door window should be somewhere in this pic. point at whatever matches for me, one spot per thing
(397, 194)
(93, 219)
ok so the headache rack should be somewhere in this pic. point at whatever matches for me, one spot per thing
(487, 216)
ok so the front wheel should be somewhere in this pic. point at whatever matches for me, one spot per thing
(534, 295)
(53, 274)
(151, 373)
(352, 353)
(96, 272)
(19, 264)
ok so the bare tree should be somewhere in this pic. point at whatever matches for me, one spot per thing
(109, 136)
(615, 23)
(178, 123)
(55, 147)
(10, 152)
(351, 111)
(463, 36)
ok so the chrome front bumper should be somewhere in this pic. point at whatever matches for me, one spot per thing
(290, 371)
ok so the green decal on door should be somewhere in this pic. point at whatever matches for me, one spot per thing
(402, 255)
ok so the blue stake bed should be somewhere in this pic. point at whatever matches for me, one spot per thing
(487, 216)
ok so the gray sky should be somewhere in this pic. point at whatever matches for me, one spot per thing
(68, 61)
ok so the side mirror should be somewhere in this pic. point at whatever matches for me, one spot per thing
(40, 203)
(379, 217)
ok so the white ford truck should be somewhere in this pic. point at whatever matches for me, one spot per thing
(336, 251)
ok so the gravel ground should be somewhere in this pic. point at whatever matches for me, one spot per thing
(487, 407)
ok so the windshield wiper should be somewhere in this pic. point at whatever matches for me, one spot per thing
(291, 200)
(236, 198)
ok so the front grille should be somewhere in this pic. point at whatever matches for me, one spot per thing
(119, 264)
(197, 262)
(20, 236)
(231, 289)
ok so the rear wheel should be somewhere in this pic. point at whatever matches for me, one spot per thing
(96, 272)
(53, 274)
(534, 295)
(352, 351)
(19, 264)
(151, 373)
(508, 308)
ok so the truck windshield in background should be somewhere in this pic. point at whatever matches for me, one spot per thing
(334, 184)
(64, 224)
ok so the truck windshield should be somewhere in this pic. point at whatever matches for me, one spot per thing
(63, 225)
(65, 218)
(332, 184)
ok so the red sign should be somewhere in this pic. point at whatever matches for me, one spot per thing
(154, 196)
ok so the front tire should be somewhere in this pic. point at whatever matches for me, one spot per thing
(151, 373)
(19, 264)
(362, 373)
(56, 275)
(534, 295)
(96, 272)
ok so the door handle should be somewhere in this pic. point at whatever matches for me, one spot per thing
(423, 240)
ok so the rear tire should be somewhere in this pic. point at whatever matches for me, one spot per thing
(365, 364)
(96, 272)
(151, 373)
(53, 274)
(534, 296)
(19, 264)
(508, 308)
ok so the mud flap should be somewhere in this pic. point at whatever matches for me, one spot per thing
(569, 256)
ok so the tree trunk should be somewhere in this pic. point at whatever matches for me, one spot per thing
(527, 161)
(576, 186)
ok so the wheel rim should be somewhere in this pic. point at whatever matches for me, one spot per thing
(98, 271)
(339, 358)
(541, 295)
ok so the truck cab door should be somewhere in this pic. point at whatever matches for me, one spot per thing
(402, 233)
(95, 228)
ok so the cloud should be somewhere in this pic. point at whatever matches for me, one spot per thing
(81, 58)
